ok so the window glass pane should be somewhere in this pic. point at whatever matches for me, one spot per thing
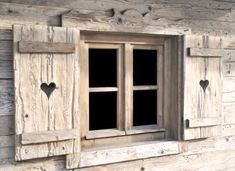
(102, 67)
(145, 107)
(144, 67)
(102, 110)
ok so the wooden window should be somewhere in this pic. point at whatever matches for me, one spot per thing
(122, 91)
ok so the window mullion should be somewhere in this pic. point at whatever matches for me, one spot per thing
(128, 86)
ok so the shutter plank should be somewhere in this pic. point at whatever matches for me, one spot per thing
(203, 122)
(48, 136)
(209, 52)
(45, 47)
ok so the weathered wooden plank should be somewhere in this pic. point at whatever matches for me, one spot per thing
(6, 125)
(5, 34)
(114, 20)
(206, 52)
(228, 129)
(228, 112)
(126, 153)
(33, 151)
(6, 69)
(203, 122)
(45, 47)
(48, 136)
(229, 69)
(176, 9)
(7, 141)
(6, 97)
(228, 84)
(6, 153)
(52, 164)
(5, 49)
(11, 13)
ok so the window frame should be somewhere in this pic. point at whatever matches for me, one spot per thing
(164, 141)
(125, 67)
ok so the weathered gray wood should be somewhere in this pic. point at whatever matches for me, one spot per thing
(48, 136)
(176, 9)
(6, 125)
(45, 47)
(126, 153)
(206, 52)
(114, 20)
(203, 122)
(5, 50)
(7, 141)
(11, 13)
(6, 69)
(6, 97)
(35, 112)
(6, 153)
(5, 34)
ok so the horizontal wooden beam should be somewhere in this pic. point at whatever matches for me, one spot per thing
(48, 136)
(103, 89)
(45, 47)
(203, 122)
(130, 152)
(150, 87)
(207, 52)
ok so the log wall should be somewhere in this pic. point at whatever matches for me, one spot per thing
(208, 17)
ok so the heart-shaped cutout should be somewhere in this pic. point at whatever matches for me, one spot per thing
(48, 89)
(204, 84)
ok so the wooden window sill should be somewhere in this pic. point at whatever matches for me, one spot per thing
(127, 152)
(144, 129)
(105, 133)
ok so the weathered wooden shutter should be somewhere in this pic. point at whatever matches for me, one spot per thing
(46, 75)
(202, 87)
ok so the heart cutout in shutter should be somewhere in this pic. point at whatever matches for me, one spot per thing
(204, 84)
(48, 89)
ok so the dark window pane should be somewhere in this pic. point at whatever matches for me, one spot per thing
(145, 67)
(145, 108)
(102, 67)
(103, 110)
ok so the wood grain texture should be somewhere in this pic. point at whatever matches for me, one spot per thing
(7, 141)
(11, 13)
(206, 52)
(6, 69)
(133, 152)
(203, 122)
(6, 153)
(131, 20)
(45, 47)
(34, 111)
(201, 103)
(48, 136)
(5, 34)
(6, 125)
(6, 97)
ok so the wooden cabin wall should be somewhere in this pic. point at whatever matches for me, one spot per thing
(202, 17)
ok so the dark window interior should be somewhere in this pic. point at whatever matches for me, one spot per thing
(102, 67)
(145, 107)
(103, 110)
(145, 67)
